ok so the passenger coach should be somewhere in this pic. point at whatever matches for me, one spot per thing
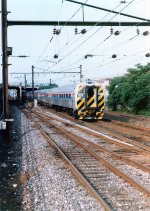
(84, 101)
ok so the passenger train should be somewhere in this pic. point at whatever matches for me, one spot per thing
(84, 101)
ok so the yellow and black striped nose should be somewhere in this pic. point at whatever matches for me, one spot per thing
(100, 98)
(80, 103)
(90, 102)
(80, 98)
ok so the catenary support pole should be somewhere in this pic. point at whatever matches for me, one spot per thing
(81, 73)
(25, 82)
(50, 83)
(4, 60)
(33, 82)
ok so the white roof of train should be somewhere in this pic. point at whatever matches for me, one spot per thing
(67, 88)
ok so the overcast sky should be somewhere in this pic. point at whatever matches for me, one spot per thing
(34, 41)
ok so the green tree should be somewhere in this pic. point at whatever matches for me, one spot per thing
(131, 91)
(48, 86)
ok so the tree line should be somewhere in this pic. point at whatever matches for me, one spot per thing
(131, 92)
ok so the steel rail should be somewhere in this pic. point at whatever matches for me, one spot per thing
(136, 127)
(141, 146)
(75, 138)
(124, 159)
(135, 134)
(131, 128)
(132, 182)
(96, 134)
(74, 170)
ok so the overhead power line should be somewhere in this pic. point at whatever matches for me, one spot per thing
(93, 33)
(58, 23)
(107, 10)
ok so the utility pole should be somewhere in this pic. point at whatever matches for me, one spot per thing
(25, 82)
(4, 60)
(81, 76)
(50, 84)
(33, 82)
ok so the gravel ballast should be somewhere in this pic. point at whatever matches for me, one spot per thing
(46, 181)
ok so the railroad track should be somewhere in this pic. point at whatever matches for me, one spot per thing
(144, 137)
(118, 149)
(129, 125)
(97, 173)
(137, 153)
(138, 134)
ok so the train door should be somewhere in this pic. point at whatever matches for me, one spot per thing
(91, 97)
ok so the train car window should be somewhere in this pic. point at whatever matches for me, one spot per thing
(90, 92)
(91, 97)
(81, 93)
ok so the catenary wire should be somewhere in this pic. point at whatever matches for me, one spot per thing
(91, 35)
(60, 29)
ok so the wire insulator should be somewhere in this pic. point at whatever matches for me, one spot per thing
(54, 31)
(76, 31)
(138, 31)
(83, 31)
(147, 54)
(58, 31)
(55, 56)
(114, 56)
(88, 55)
(146, 33)
(111, 31)
(116, 33)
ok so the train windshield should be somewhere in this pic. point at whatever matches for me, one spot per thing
(81, 93)
(91, 97)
